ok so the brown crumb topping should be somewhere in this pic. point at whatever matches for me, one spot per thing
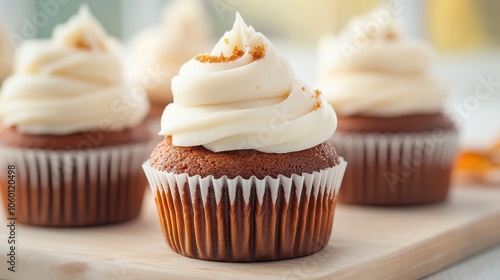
(303, 88)
(258, 52)
(207, 58)
(82, 44)
(317, 105)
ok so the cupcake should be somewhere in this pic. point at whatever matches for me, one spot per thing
(72, 131)
(392, 130)
(244, 172)
(5, 55)
(157, 53)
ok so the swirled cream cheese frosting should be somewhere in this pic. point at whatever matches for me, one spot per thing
(5, 55)
(71, 83)
(156, 54)
(371, 69)
(244, 95)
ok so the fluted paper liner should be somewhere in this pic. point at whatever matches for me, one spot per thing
(76, 188)
(396, 168)
(246, 219)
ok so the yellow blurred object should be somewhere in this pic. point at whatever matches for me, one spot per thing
(473, 161)
(455, 24)
(479, 166)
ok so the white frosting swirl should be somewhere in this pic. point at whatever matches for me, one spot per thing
(250, 101)
(5, 55)
(375, 72)
(72, 83)
(156, 54)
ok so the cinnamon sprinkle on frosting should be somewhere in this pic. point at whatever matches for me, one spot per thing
(303, 88)
(258, 52)
(83, 45)
(317, 105)
(207, 58)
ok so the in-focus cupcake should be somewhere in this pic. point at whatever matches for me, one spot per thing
(392, 130)
(5, 55)
(157, 53)
(245, 172)
(72, 130)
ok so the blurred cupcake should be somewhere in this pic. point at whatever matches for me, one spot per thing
(392, 130)
(72, 130)
(156, 54)
(5, 55)
(245, 172)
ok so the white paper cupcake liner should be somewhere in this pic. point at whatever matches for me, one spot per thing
(246, 219)
(396, 168)
(76, 188)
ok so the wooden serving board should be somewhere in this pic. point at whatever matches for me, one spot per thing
(367, 243)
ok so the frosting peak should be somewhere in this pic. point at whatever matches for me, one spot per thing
(371, 69)
(386, 30)
(83, 31)
(59, 87)
(238, 37)
(184, 32)
(244, 95)
(241, 42)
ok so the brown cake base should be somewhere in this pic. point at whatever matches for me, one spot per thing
(9, 136)
(408, 164)
(409, 123)
(81, 187)
(276, 213)
(245, 163)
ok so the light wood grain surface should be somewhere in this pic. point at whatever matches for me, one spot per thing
(367, 243)
(483, 266)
